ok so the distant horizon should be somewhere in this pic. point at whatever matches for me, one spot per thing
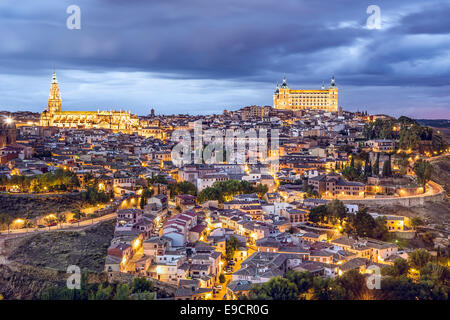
(201, 57)
(219, 112)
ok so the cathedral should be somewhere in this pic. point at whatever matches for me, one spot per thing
(323, 99)
(54, 116)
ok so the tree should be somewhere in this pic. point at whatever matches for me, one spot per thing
(276, 288)
(428, 238)
(6, 220)
(376, 166)
(122, 292)
(261, 190)
(327, 289)
(183, 187)
(402, 162)
(363, 223)
(387, 170)
(231, 245)
(417, 221)
(367, 165)
(159, 178)
(103, 293)
(61, 217)
(141, 285)
(318, 214)
(337, 211)
(28, 224)
(145, 295)
(423, 170)
(354, 284)
(380, 231)
(419, 258)
(303, 280)
(403, 288)
(399, 268)
(78, 214)
(59, 293)
(436, 273)
(209, 193)
(224, 190)
(146, 193)
(350, 173)
(310, 193)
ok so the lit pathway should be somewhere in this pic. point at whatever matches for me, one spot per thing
(63, 226)
(432, 189)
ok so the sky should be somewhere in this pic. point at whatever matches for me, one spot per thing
(204, 56)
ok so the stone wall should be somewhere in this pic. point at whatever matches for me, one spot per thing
(410, 201)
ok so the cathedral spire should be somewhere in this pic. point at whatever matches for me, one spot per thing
(54, 99)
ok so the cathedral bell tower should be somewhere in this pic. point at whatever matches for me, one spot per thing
(54, 100)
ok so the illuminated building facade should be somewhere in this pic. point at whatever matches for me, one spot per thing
(323, 99)
(54, 116)
(8, 132)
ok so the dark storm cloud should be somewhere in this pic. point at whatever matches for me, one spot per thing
(247, 43)
(433, 20)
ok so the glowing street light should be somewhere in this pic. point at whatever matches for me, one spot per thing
(18, 222)
(136, 243)
(9, 120)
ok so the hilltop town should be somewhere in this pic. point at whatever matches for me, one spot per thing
(230, 229)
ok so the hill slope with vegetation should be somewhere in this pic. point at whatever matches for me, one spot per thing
(58, 250)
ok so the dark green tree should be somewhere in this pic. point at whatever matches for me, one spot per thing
(376, 166)
(423, 170)
(231, 245)
(140, 284)
(122, 292)
(419, 258)
(387, 170)
(276, 288)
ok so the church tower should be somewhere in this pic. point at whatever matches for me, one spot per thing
(54, 100)
(281, 97)
(333, 96)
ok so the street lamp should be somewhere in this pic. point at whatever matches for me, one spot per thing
(18, 222)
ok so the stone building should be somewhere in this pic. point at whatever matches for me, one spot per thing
(54, 116)
(290, 99)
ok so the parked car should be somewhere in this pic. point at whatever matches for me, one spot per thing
(52, 224)
(73, 221)
(40, 226)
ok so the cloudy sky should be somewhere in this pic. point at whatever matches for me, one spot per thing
(203, 56)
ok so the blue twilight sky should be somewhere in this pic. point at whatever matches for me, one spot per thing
(203, 56)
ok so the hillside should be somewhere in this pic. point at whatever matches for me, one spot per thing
(20, 206)
(26, 282)
(441, 171)
(58, 250)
